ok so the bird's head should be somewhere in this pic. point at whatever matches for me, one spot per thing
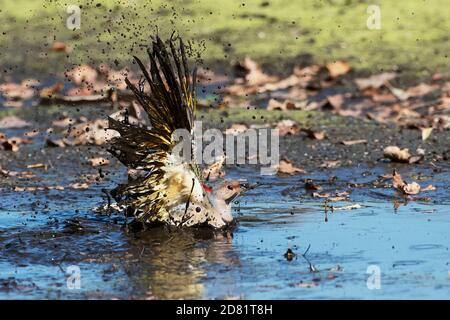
(228, 191)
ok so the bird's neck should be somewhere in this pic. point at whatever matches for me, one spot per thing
(224, 209)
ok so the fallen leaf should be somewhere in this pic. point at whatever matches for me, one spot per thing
(78, 185)
(317, 135)
(49, 92)
(9, 122)
(428, 188)
(214, 171)
(236, 129)
(336, 100)
(286, 127)
(82, 74)
(411, 188)
(255, 75)
(19, 91)
(310, 185)
(331, 164)
(349, 207)
(286, 166)
(61, 143)
(59, 46)
(276, 105)
(321, 195)
(408, 188)
(98, 161)
(37, 166)
(426, 132)
(338, 68)
(375, 81)
(394, 153)
(352, 142)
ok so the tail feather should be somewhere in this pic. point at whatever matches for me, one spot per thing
(170, 105)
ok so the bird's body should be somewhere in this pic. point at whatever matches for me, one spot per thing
(171, 189)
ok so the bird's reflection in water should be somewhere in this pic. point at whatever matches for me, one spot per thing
(171, 263)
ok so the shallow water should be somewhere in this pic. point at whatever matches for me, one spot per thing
(44, 233)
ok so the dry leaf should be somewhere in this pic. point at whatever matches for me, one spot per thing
(394, 153)
(59, 46)
(375, 81)
(331, 164)
(37, 166)
(336, 100)
(286, 127)
(426, 132)
(408, 188)
(82, 74)
(287, 167)
(349, 207)
(255, 75)
(428, 188)
(79, 185)
(338, 68)
(276, 105)
(98, 161)
(411, 188)
(214, 171)
(352, 142)
(9, 122)
(310, 185)
(236, 129)
(317, 135)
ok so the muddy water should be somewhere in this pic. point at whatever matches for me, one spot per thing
(45, 234)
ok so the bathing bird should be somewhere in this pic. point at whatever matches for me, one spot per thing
(171, 189)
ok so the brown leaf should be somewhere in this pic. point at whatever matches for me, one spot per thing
(82, 74)
(428, 188)
(61, 143)
(286, 166)
(317, 135)
(426, 132)
(331, 164)
(37, 166)
(19, 91)
(236, 129)
(336, 100)
(49, 92)
(375, 81)
(310, 185)
(286, 127)
(98, 161)
(396, 154)
(255, 75)
(320, 195)
(421, 90)
(59, 46)
(214, 171)
(408, 188)
(352, 142)
(276, 105)
(78, 185)
(411, 188)
(9, 122)
(338, 68)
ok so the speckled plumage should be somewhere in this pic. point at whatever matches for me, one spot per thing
(170, 190)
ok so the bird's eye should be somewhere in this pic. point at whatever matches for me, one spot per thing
(230, 187)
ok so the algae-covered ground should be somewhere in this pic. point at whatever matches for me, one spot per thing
(413, 38)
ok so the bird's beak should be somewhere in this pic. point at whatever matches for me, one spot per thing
(228, 201)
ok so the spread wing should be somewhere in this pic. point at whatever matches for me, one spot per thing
(170, 105)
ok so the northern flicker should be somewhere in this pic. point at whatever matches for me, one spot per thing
(171, 190)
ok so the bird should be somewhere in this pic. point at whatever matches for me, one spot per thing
(170, 190)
